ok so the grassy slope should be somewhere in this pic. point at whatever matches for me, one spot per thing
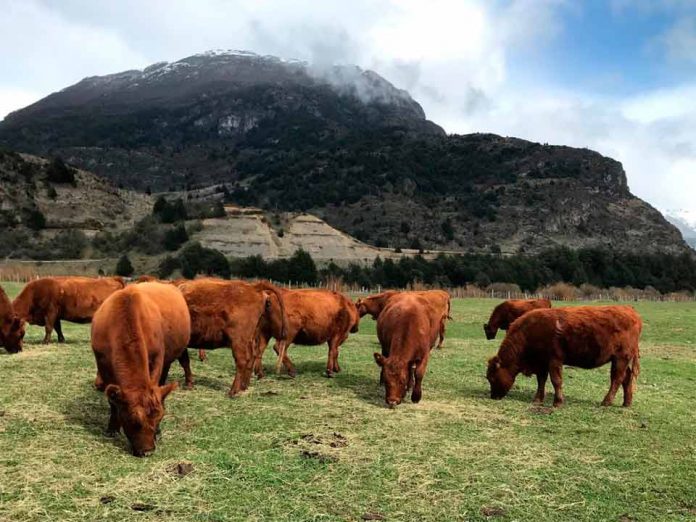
(268, 455)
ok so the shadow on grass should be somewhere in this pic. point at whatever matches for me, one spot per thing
(90, 410)
(363, 387)
(209, 382)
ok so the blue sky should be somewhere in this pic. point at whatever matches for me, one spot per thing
(617, 76)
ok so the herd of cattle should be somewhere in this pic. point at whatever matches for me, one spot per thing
(138, 330)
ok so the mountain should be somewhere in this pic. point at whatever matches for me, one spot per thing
(342, 144)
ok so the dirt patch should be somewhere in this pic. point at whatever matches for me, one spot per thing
(141, 506)
(541, 410)
(373, 516)
(182, 469)
(492, 511)
(320, 447)
(107, 499)
(324, 458)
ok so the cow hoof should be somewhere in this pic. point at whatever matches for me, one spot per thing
(558, 404)
(292, 373)
(189, 386)
(110, 433)
(329, 374)
(606, 404)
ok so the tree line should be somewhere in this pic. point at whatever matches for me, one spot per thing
(599, 267)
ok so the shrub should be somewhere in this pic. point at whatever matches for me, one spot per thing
(175, 237)
(168, 212)
(196, 259)
(58, 172)
(35, 219)
(124, 267)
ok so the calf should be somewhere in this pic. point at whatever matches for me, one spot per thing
(46, 301)
(506, 312)
(313, 317)
(438, 299)
(136, 334)
(406, 329)
(542, 341)
(11, 325)
(229, 314)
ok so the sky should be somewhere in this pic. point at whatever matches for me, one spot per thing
(616, 76)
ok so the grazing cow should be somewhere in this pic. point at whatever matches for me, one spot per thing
(11, 326)
(46, 301)
(229, 314)
(313, 317)
(439, 299)
(407, 328)
(506, 312)
(542, 341)
(136, 335)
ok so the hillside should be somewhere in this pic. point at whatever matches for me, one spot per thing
(47, 211)
(342, 144)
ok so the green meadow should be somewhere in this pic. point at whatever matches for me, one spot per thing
(320, 449)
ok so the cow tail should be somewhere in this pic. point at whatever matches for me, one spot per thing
(283, 322)
(449, 309)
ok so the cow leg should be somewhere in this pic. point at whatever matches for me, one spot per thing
(185, 363)
(628, 388)
(419, 374)
(556, 372)
(618, 373)
(59, 330)
(332, 361)
(541, 386)
(202, 355)
(244, 360)
(258, 365)
(114, 424)
(164, 374)
(289, 366)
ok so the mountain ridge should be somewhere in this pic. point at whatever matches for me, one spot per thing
(343, 144)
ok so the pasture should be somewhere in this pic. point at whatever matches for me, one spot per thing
(323, 449)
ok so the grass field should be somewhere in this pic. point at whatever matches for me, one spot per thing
(327, 449)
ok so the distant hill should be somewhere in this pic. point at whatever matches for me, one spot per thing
(343, 144)
(684, 221)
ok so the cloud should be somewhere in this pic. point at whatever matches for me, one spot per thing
(679, 41)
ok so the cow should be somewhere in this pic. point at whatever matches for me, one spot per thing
(506, 312)
(136, 335)
(11, 325)
(439, 299)
(47, 301)
(407, 328)
(229, 314)
(542, 341)
(314, 317)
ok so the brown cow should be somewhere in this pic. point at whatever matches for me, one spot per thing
(11, 325)
(46, 301)
(506, 312)
(228, 314)
(136, 335)
(542, 341)
(439, 299)
(407, 328)
(313, 317)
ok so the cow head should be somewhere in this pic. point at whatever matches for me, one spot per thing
(500, 378)
(490, 331)
(12, 334)
(395, 378)
(140, 414)
(368, 305)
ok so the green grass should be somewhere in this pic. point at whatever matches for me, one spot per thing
(327, 449)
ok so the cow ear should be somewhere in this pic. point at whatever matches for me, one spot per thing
(559, 326)
(167, 389)
(379, 359)
(114, 394)
(494, 362)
